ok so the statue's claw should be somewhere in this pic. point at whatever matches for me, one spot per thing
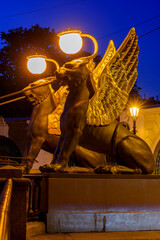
(52, 168)
(105, 170)
(137, 171)
(118, 169)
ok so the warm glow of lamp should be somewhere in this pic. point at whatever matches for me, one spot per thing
(70, 42)
(134, 112)
(36, 64)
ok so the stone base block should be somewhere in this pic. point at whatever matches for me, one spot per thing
(102, 222)
(103, 203)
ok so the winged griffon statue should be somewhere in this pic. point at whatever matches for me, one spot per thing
(89, 120)
(78, 121)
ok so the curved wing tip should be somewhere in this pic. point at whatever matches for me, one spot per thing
(111, 42)
(132, 29)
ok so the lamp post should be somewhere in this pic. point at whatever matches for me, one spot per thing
(134, 114)
(70, 42)
(37, 63)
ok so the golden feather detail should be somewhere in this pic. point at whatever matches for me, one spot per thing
(114, 78)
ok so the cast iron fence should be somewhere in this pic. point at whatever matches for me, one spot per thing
(37, 197)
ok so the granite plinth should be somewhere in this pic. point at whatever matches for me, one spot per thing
(85, 203)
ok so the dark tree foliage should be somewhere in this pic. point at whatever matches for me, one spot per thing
(135, 92)
(134, 96)
(17, 45)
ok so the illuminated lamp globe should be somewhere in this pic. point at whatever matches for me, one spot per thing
(134, 112)
(36, 65)
(70, 43)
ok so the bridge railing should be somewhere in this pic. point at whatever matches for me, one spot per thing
(5, 210)
(13, 203)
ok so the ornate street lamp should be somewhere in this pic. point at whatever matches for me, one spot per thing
(134, 114)
(37, 63)
(70, 42)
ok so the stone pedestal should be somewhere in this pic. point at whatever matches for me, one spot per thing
(85, 203)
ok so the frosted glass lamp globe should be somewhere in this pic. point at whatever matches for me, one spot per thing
(36, 65)
(70, 43)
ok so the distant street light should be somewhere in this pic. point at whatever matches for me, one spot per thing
(134, 114)
(37, 63)
(70, 42)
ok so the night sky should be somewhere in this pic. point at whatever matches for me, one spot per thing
(103, 19)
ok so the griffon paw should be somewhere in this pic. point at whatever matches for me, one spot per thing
(52, 168)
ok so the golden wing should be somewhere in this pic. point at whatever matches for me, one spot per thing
(115, 79)
(101, 66)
